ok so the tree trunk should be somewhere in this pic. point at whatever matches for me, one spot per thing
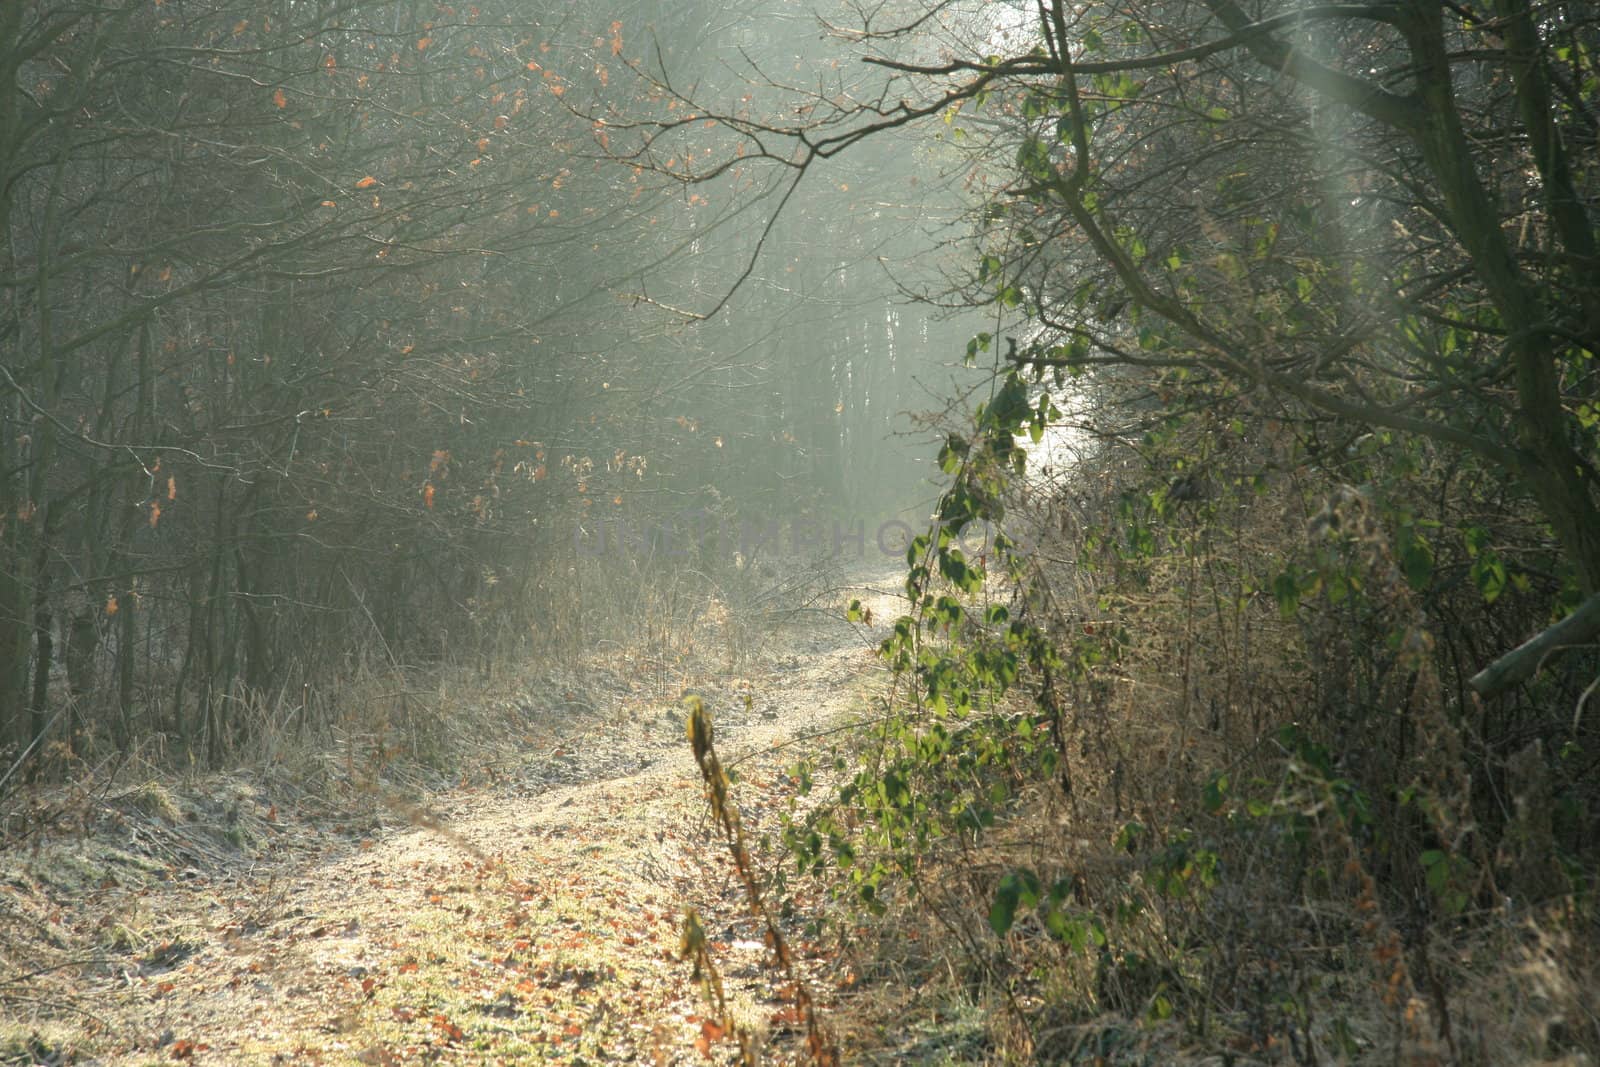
(44, 648)
(1557, 476)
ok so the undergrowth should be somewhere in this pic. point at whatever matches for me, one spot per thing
(323, 768)
(1182, 764)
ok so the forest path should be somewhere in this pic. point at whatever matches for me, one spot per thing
(520, 924)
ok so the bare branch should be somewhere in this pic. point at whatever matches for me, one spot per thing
(1528, 658)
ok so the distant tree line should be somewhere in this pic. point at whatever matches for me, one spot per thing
(324, 325)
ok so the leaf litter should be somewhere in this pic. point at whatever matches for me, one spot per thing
(532, 918)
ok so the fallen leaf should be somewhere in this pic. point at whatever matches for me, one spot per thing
(709, 1032)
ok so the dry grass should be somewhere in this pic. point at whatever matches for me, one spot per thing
(1267, 919)
(116, 877)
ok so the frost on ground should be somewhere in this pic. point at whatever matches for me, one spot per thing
(530, 916)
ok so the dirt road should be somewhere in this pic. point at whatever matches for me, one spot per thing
(536, 920)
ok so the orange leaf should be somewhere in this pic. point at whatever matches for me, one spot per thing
(111, 604)
(427, 496)
(279, 99)
(423, 43)
(788, 1016)
(367, 183)
(329, 63)
(172, 488)
(616, 38)
(155, 514)
(709, 1032)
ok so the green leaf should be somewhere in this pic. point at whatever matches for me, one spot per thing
(980, 343)
(1033, 159)
(1010, 405)
(1489, 575)
(1286, 590)
(1016, 889)
(954, 451)
(1004, 909)
(1416, 558)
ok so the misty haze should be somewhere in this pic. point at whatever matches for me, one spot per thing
(925, 531)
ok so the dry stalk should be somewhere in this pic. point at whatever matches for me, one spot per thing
(820, 1043)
